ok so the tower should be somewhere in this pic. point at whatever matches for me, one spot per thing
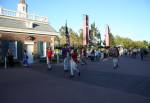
(22, 9)
(107, 31)
(85, 30)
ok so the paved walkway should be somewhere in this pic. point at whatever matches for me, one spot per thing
(98, 83)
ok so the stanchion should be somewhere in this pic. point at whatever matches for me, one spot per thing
(5, 62)
(57, 58)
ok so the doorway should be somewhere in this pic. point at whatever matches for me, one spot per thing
(30, 53)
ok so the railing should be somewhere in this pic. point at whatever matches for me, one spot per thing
(12, 13)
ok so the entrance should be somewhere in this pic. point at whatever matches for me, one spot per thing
(30, 53)
(30, 47)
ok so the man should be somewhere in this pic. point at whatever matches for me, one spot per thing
(66, 59)
(10, 58)
(115, 56)
(142, 53)
(74, 62)
(49, 58)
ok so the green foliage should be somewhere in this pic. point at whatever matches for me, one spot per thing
(80, 37)
(62, 35)
(128, 43)
(111, 40)
(95, 36)
(75, 39)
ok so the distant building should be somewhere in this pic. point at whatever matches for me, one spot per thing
(20, 30)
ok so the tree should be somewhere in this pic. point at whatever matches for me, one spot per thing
(74, 37)
(126, 42)
(111, 40)
(95, 36)
(129, 43)
(145, 43)
(80, 37)
(99, 38)
(62, 35)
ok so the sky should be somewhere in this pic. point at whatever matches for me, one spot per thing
(126, 18)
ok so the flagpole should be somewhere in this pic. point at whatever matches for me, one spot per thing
(67, 36)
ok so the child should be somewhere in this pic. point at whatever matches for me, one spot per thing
(49, 57)
(74, 62)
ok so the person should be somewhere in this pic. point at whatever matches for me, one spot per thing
(93, 55)
(142, 53)
(83, 56)
(49, 58)
(10, 58)
(25, 59)
(115, 56)
(97, 55)
(66, 59)
(74, 62)
(64, 54)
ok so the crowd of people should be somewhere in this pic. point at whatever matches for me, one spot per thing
(73, 57)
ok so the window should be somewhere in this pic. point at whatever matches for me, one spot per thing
(42, 49)
(23, 8)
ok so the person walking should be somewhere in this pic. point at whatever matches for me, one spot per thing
(115, 56)
(142, 53)
(74, 63)
(49, 58)
(93, 55)
(83, 56)
(25, 59)
(10, 58)
(66, 59)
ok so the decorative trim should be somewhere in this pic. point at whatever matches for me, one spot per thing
(12, 13)
(21, 19)
(27, 31)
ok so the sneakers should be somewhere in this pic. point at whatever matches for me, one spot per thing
(71, 76)
(50, 68)
(115, 67)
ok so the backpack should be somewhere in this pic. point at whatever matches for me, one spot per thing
(113, 52)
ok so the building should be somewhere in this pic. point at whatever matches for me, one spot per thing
(20, 30)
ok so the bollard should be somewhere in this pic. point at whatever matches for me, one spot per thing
(5, 62)
(57, 58)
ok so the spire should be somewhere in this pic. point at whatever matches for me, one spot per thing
(67, 35)
(22, 9)
(85, 30)
(107, 31)
(22, 2)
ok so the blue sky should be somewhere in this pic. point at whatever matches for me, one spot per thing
(127, 18)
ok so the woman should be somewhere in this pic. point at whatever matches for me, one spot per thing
(49, 58)
(74, 66)
(25, 58)
(10, 58)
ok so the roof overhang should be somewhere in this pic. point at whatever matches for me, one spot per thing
(28, 31)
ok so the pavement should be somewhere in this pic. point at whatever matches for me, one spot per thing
(98, 83)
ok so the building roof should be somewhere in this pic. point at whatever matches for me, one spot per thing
(26, 25)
